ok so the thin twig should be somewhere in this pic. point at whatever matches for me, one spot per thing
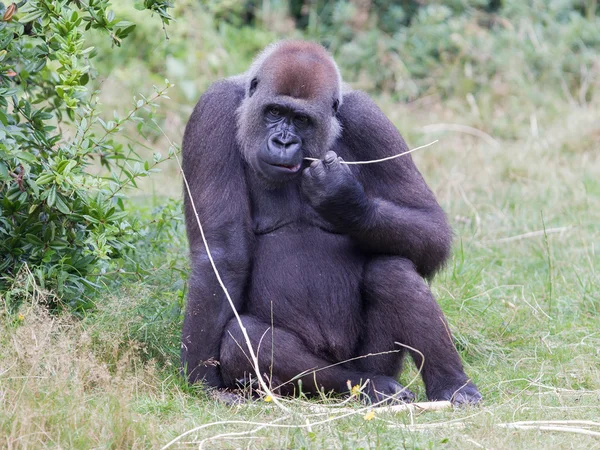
(373, 161)
(461, 129)
(224, 288)
(575, 430)
(531, 234)
(588, 423)
(411, 407)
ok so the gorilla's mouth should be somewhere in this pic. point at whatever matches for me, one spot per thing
(289, 167)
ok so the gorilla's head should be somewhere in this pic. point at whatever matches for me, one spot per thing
(293, 92)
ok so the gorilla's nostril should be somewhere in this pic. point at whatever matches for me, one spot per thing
(278, 142)
(285, 142)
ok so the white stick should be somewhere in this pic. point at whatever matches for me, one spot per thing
(411, 407)
(531, 234)
(231, 304)
(387, 158)
(550, 428)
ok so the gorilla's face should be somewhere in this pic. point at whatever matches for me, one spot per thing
(289, 110)
(289, 131)
(277, 132)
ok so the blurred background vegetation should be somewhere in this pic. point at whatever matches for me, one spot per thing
(492, 63)
(509, 87)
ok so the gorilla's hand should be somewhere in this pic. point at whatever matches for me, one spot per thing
(334, 192)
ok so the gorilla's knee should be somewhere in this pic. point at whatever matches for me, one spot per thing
(392, 277)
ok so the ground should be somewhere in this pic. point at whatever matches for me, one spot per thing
(521, 294)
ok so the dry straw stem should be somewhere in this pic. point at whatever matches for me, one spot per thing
(531, 234)
(387, 158)
(253, 356)
(222, 284)
(437, 127)
(565, 426)
(345, 412)
(407, 407)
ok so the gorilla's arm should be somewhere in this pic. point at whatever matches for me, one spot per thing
(213, 168)
(386, 207)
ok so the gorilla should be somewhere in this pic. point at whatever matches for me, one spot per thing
(325, 262)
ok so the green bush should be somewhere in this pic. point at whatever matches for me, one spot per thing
(62, 172)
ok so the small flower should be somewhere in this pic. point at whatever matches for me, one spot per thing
(268, 399)
(355, 390)
(21, 317)
(11, 73)
(370, 415)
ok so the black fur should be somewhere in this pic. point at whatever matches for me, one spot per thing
(325, 267)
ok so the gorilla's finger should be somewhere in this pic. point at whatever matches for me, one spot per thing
(330, 157)
(318, 169)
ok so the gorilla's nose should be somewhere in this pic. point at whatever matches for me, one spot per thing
(286, 145)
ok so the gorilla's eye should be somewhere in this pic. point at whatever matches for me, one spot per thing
(301, 120)
(275, 111)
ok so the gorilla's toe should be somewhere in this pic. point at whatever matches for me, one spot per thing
(465, 394)
(228, 397)
(383, 390)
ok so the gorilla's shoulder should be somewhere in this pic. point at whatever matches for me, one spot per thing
(222, 97)
(213, 122)
(358, 108)
(362, 119)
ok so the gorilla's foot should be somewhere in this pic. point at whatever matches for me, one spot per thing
(382, 390)
(459, 394)
(228, 397)
(253, 389)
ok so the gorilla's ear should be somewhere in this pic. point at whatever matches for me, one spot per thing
(336, 105)
(253, 85)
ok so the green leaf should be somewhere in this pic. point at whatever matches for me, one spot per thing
(25, 156)
(33, 15)
(51, 197)
(61, 205)
(45, 179)
(3, 171)
(34, 187)
(91, 219)
(70, 165)
(33, 239)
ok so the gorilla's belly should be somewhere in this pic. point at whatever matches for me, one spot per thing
(308, 281)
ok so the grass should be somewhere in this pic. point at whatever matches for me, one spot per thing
(521, 185)
(521, 296)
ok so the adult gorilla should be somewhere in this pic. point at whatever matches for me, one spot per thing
(324, 262)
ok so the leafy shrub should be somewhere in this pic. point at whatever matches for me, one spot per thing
(62, 172)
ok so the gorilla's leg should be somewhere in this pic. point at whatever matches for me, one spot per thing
(284, 358)
(400, 308)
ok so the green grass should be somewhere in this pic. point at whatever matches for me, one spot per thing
(521, 296)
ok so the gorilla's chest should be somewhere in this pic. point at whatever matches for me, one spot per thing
(273, 209)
